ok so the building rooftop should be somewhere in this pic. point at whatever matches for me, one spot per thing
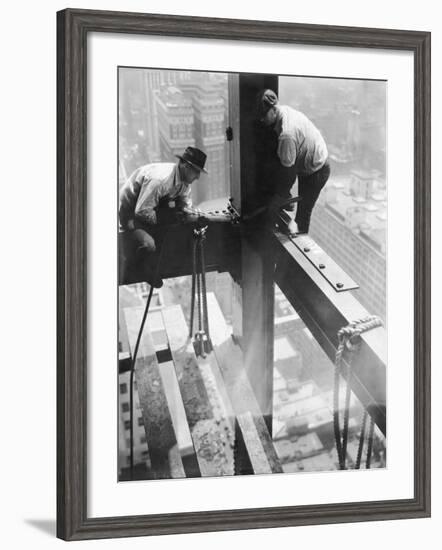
(371, 212)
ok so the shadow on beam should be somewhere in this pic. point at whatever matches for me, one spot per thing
(222, 250)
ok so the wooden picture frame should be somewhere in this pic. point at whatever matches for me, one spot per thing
(73, 27)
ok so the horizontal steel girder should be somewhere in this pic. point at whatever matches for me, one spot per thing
(222, 246)
(324, 311)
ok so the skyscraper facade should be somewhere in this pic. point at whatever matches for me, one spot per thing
(164, 111)
(175, 122)
(210, 112)
(349, 223)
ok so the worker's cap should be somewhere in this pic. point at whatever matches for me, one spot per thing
(264, 101)
(195, 157)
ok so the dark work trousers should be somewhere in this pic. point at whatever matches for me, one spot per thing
(140, 248)
(309, 188)
(140, 251)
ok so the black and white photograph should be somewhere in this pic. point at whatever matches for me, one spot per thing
(218, 274)
(252, 263)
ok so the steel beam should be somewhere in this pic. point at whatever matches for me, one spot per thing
(253, 313)
(324, 311)
(221, 251)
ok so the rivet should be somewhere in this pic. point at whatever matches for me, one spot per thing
(321, 266)
(339, 285)
(306, 249)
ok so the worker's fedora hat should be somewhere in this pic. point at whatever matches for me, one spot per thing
(195, 157)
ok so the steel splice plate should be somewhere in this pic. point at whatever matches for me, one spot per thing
(329, 269)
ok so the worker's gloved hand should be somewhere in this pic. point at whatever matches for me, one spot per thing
(292, 228)
(187, 217)
(194, 216)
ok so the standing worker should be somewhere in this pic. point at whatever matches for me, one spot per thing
(302, 153)
(148, 188)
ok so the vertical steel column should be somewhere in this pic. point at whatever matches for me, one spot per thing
(253, 315)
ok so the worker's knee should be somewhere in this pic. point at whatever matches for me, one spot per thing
(144, 243)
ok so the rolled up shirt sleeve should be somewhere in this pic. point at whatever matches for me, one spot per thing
(287, 150)
(148, 200)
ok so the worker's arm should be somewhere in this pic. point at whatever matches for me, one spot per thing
(287, 151)
(150, 194)
(128, 198)
(184, 204)
(184, 201)
(186, 211)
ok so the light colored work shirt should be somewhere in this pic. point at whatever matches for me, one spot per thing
(300, 143)
(142, 192)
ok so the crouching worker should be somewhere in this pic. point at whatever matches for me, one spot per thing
(145, 191)
(302, 153)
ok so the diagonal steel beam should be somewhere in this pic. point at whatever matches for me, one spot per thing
(324, 311)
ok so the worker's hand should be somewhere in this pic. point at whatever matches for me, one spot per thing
(292, 228)
(131, 225)
(188, 216)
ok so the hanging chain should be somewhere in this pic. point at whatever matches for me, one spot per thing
(207, 344)
(348, 342)
(361, 440)
(192, 303)
(202, 342)
(369, 444)
(236, 452)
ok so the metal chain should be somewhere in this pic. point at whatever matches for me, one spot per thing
(348, 341)
(207, 342)
(202, 341)
(369, 444)
(361, 440)
(198, 293)
(346, 412)
(236, 454)
(192, 303)
(336, 424)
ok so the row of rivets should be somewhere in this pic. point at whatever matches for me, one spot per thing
(322, 266)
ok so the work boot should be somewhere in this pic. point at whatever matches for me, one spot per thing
(153, 278)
